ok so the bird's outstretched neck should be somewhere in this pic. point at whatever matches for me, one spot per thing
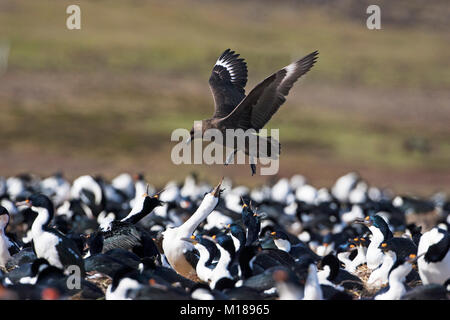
(206, 207)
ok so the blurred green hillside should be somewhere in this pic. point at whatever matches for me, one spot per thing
(105, 99)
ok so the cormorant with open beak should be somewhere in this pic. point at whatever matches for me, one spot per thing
(175, 248)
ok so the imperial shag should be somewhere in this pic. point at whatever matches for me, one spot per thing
(434, 265)
(227, 251)
(206, 253)
(7, 247)
(395, 249)
(175, 248)
(126, 234)
(397, 275)
(380, 232)
(49, 243)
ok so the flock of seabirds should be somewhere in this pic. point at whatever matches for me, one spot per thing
(191, 240)
(95, 239)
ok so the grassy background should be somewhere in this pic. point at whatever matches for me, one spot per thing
(105, 99)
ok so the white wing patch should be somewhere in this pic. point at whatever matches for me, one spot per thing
(290, 69)
(227, 66)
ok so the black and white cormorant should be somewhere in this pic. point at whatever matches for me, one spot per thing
(254, 260)
(175, 248)
(397, 276)
(207, 251)
(251, 222)
(380, 232)
(126, 234)
(237, 234)
(346, 253)
(227, 251)
(124, 282)
(361, 244)
(394, 249)
(7, 247)
(49, 243)
(90, 192)
(298, 251)
(434, 263)
(333, 275)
